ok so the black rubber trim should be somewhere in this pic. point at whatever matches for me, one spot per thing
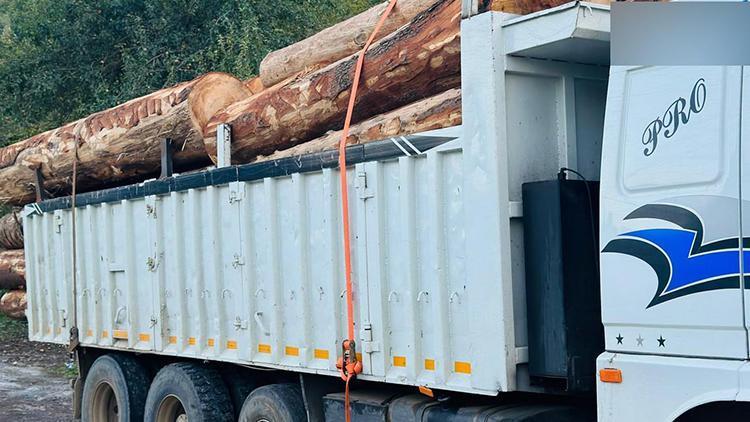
(373, 151)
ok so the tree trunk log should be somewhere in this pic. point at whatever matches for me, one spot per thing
(440, 111)
(122, 144)
(336, 42)
(419, 60)
(255, 85)
(11, 231)
(13, 304)
(12, 269)
(524, 7)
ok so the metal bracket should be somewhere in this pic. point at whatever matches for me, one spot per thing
(368, 346)
(236, 192)
(240, 324)
(223, 145)
(73, 341)
(469, 8)
(41, 194)
(238, 261)
(167, 158)
(364, 191)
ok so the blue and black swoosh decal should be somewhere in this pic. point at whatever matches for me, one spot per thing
(682, 262)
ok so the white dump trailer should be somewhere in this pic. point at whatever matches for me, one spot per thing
(189, 293)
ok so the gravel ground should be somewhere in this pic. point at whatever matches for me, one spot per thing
(34, 381)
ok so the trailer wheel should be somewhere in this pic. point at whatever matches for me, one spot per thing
(188, 392)
(274, 403)
(114, 390)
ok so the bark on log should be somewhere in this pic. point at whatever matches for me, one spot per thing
(419, 60)
(12, 269)
(336, 42)
(121, 144)
(524, 7)
(13, 304)
(440, 111)
(11, 231)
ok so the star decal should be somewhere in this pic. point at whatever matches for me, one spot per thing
(661, 341)
(639, 340)
(619, 338)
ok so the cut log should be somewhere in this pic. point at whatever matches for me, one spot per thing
(121, 144)
(440, 111)
(336, 42)
(12, 269)
(419, 60)
(11, 231)
(523, 7)
(13, 304)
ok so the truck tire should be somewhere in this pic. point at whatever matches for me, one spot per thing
(274, 403)
(115, 390)
(240, 385)
(186, 391)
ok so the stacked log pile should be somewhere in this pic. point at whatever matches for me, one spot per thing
(12, 266)
(297, 104)
(419, 60)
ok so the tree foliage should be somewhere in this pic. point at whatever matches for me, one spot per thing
(61, 60)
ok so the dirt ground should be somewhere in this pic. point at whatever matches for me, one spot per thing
(34, 379)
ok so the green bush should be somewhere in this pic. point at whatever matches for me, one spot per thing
(61, 60)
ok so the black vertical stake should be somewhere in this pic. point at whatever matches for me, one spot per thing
(166, 158)
(41, 194)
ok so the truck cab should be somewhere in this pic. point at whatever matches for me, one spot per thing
(673, 227)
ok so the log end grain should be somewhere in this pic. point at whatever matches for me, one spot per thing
(11, 231)
(13, 304)
(212, 93)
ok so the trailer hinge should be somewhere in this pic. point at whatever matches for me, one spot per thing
(365, 335)
(364, 191)
(58, 223)
(152, 264)
(236, 192)
(240, 324)
(238, 261)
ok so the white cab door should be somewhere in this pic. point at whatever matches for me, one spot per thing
(670, 212)
(744, 158)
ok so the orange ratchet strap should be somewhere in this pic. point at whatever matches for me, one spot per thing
(348, 364)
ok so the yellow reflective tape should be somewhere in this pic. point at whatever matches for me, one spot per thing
(462, 367)
(191, 341)
(231, 344)
(320, 354)
(399, 361)
(291, 351)
(89, 332)
(264, 348)
(144, 337)
(120, 334)
(59, 330)
(105, 334)
(172, 339)
(429, 364)
(210, 342)
(359, 357)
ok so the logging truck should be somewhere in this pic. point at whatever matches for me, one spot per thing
(477, 253)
